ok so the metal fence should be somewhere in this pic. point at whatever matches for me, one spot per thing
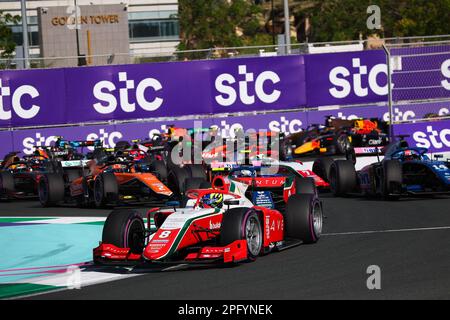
(171, 54)
(405, 102)
(420, 76)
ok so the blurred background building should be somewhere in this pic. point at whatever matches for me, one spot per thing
(148, 27)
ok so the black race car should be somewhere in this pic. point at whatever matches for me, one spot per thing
(336, 137)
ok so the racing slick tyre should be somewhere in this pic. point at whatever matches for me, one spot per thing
(193, 183)
(342, 143)
(176, 180)
(100, 155)
(106, 190)
(305, 186)
(303, 218)
(321, 167)
(125, 228)
(196, 171)
(6, 182)
(159, 167)
(342, 177)
(242, 224)
(51, 189)
(391, 183)
(205, 185)
(122, 145)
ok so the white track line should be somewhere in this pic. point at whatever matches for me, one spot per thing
(385, 231)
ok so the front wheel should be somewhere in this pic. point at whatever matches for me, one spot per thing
(51, 189)
(106, 190)
(242, 224)
(342, 177)
(125, 229)
(304, 218)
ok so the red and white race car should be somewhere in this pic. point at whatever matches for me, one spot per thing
(231, 222)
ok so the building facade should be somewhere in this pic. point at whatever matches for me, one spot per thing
(153, 28)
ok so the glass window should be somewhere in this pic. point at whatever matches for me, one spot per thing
(142, 29)
(33, 35)
(148, 15)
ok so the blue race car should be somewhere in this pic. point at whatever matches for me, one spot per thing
(404, 170)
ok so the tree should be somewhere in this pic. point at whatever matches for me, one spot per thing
(7, 44)
(337, 20)
(217, 23)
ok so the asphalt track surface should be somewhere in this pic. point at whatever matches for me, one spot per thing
(409, 240)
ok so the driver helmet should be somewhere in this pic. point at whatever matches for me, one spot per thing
(410, 155)
(214, 200)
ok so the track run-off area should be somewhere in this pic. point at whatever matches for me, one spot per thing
(47, 251)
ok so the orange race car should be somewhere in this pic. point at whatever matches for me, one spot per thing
(107, 182)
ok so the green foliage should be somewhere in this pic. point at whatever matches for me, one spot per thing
(336, 20)
(217, 23)
(7, 45)
(230, 23)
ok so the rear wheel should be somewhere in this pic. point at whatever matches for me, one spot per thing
(106, 190)
(122, 145)
(176, 180)
(125, 229)
(6, 182)
(242, 224)
(305, 186)
(321, 167)
(342, 177)
(304, 218)
(196, 171)
(51, 189)
(159, 167)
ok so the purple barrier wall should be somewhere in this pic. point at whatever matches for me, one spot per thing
(74, 95)
(361, 77)
(346, 78)
(25, 140)
(434, 135)
(32, 97)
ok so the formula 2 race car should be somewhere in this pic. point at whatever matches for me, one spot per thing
(110, 181)
(217, 225)
(404, 170)
(19, 176)
(336, 137)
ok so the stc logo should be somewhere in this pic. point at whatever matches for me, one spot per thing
(432, 138)
(103, 91)
(228, 95)
(14, 99)
(285, 125)
(339, 77)
(109, 139)
(445, 69)
(39, 140)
